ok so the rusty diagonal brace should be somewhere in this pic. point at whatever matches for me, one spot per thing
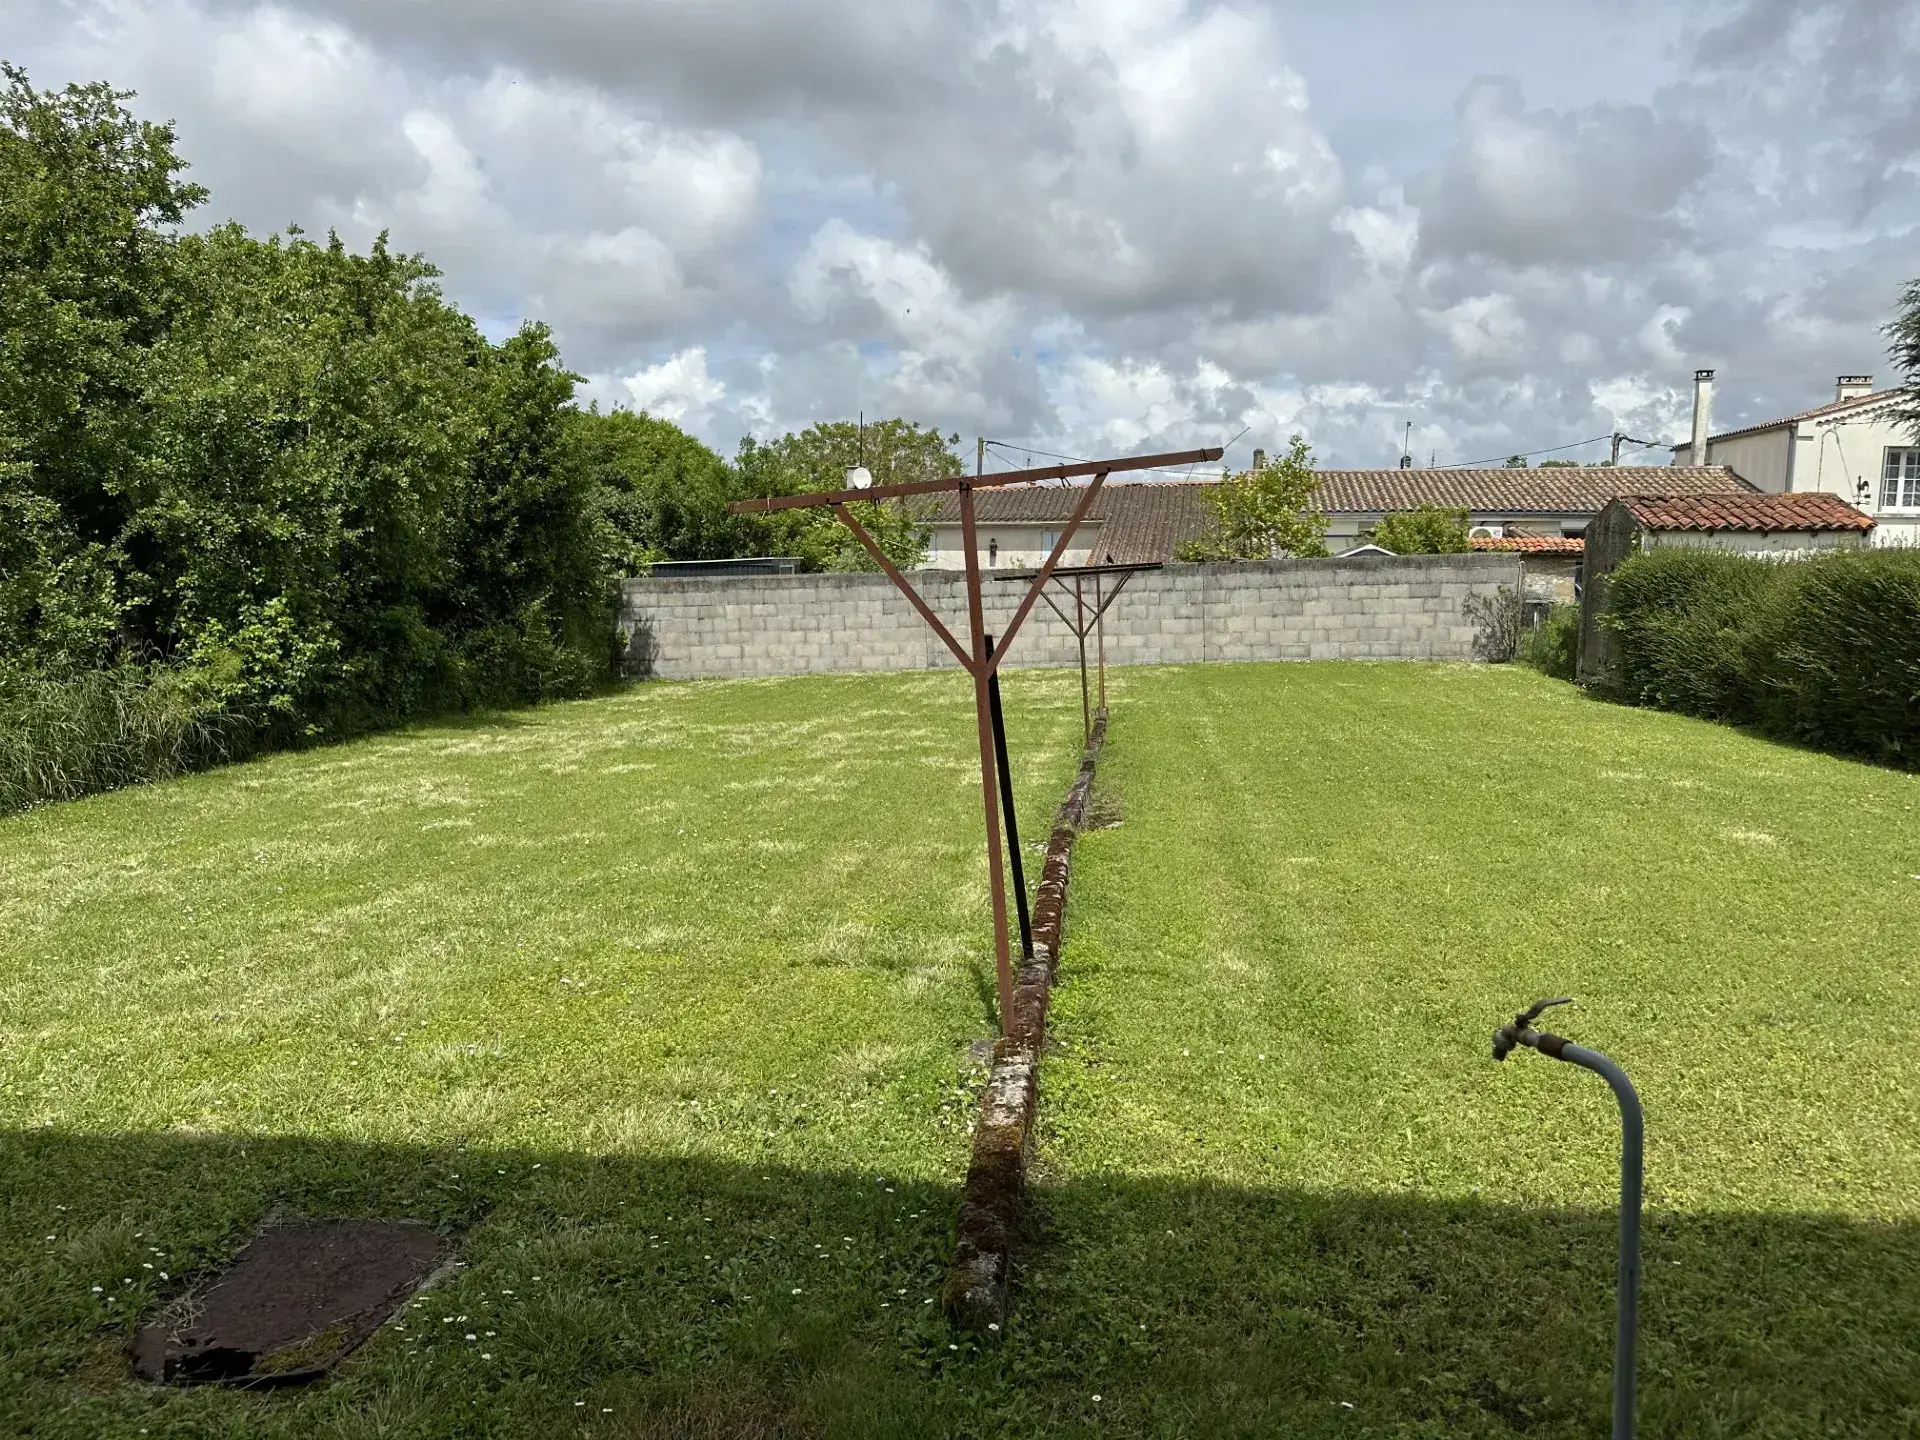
(905, 586)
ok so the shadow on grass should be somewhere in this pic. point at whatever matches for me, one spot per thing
(676, 1297)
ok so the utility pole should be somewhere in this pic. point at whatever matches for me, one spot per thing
(1620, 439)
(980, 456)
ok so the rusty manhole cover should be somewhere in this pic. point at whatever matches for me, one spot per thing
(295, 1303)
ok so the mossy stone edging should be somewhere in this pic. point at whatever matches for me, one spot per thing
(976, 1289)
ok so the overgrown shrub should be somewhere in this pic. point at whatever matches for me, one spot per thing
(1500, 619)
(1824, 651)
(1836, 656)
(1682, 617)
(1553, 646)
(69, 733)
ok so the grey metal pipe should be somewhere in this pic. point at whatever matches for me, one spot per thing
(1627, 1275)
(1626, 1325)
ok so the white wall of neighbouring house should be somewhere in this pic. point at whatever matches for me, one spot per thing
(1775, 544)
(1836, 458)
(1009, 547)
(1897, 530)
(1761, 459)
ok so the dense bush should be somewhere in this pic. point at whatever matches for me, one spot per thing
(1553, 646)
(1824, 651)
(271, 491)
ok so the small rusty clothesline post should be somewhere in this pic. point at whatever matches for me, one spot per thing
(981, 656)
(1088, 619)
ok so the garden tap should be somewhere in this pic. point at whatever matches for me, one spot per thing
(1520, 1031)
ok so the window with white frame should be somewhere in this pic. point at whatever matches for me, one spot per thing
(1048, 539)
(1900, 480)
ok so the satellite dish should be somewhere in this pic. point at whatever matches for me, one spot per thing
(859, 478)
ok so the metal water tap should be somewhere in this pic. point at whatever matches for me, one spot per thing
(1520, 1031)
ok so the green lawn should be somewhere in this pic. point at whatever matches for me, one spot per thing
(663, 1001)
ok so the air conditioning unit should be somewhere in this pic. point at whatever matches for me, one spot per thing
(1487, 532)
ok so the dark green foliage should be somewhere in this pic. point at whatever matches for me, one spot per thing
(1837, 656)
(818, 458)
(1825, 652)
(1428, 530)
(1552, 647)
(1681, 616)
(288, 481)
(660, 493)
(1903, 348)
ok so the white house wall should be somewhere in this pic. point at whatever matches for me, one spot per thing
(1836, 458)
(1760, 460)
(1009, 547)
(1780, 545)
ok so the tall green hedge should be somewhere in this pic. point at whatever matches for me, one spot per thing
(1824, 651)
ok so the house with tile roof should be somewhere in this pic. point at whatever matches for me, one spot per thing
(1779, 526)
(1856, 446)
(1147, 520)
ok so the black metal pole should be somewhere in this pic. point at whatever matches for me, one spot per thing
(1006, 806)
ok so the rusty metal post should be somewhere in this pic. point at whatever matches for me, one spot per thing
(1006, 806)
(1100, 625)
(983, 719)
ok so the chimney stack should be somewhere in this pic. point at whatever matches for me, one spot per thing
(1852, 387)
(1259, 459)
(1702, 416)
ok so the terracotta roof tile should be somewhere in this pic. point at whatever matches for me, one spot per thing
(1145, 520)
(1140, 521)
(1557, 490)
(1806, 510)
(1532, 544)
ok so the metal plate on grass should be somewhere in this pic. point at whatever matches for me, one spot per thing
(296, 1301)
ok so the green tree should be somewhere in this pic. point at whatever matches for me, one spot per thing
(818, 458)
(270, 478)
(1264, 513)
(660, 494)
(1903, 348)
(1427, 530)
(1516, 462)
(87, 288)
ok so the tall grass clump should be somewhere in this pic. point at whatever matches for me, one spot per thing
(1553, 646)
(66, 733)
(1823, 651)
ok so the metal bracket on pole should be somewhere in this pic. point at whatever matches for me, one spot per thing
(1520, 1031)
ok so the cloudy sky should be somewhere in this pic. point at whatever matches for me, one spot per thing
(1090, 226)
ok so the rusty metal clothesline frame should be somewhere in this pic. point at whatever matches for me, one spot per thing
(1083, 624)
(981, 657)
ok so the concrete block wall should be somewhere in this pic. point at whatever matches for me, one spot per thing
(1412, 607)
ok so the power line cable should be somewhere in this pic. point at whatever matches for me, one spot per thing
(1529, 454)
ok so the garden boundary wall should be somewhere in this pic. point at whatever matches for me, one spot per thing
(1402, 607)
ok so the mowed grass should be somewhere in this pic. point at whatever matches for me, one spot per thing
(1274, 1134)
(660, 1003)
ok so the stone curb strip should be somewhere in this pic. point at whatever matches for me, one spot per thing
(975, 1293)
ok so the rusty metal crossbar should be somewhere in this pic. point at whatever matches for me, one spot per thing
(981, 657)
